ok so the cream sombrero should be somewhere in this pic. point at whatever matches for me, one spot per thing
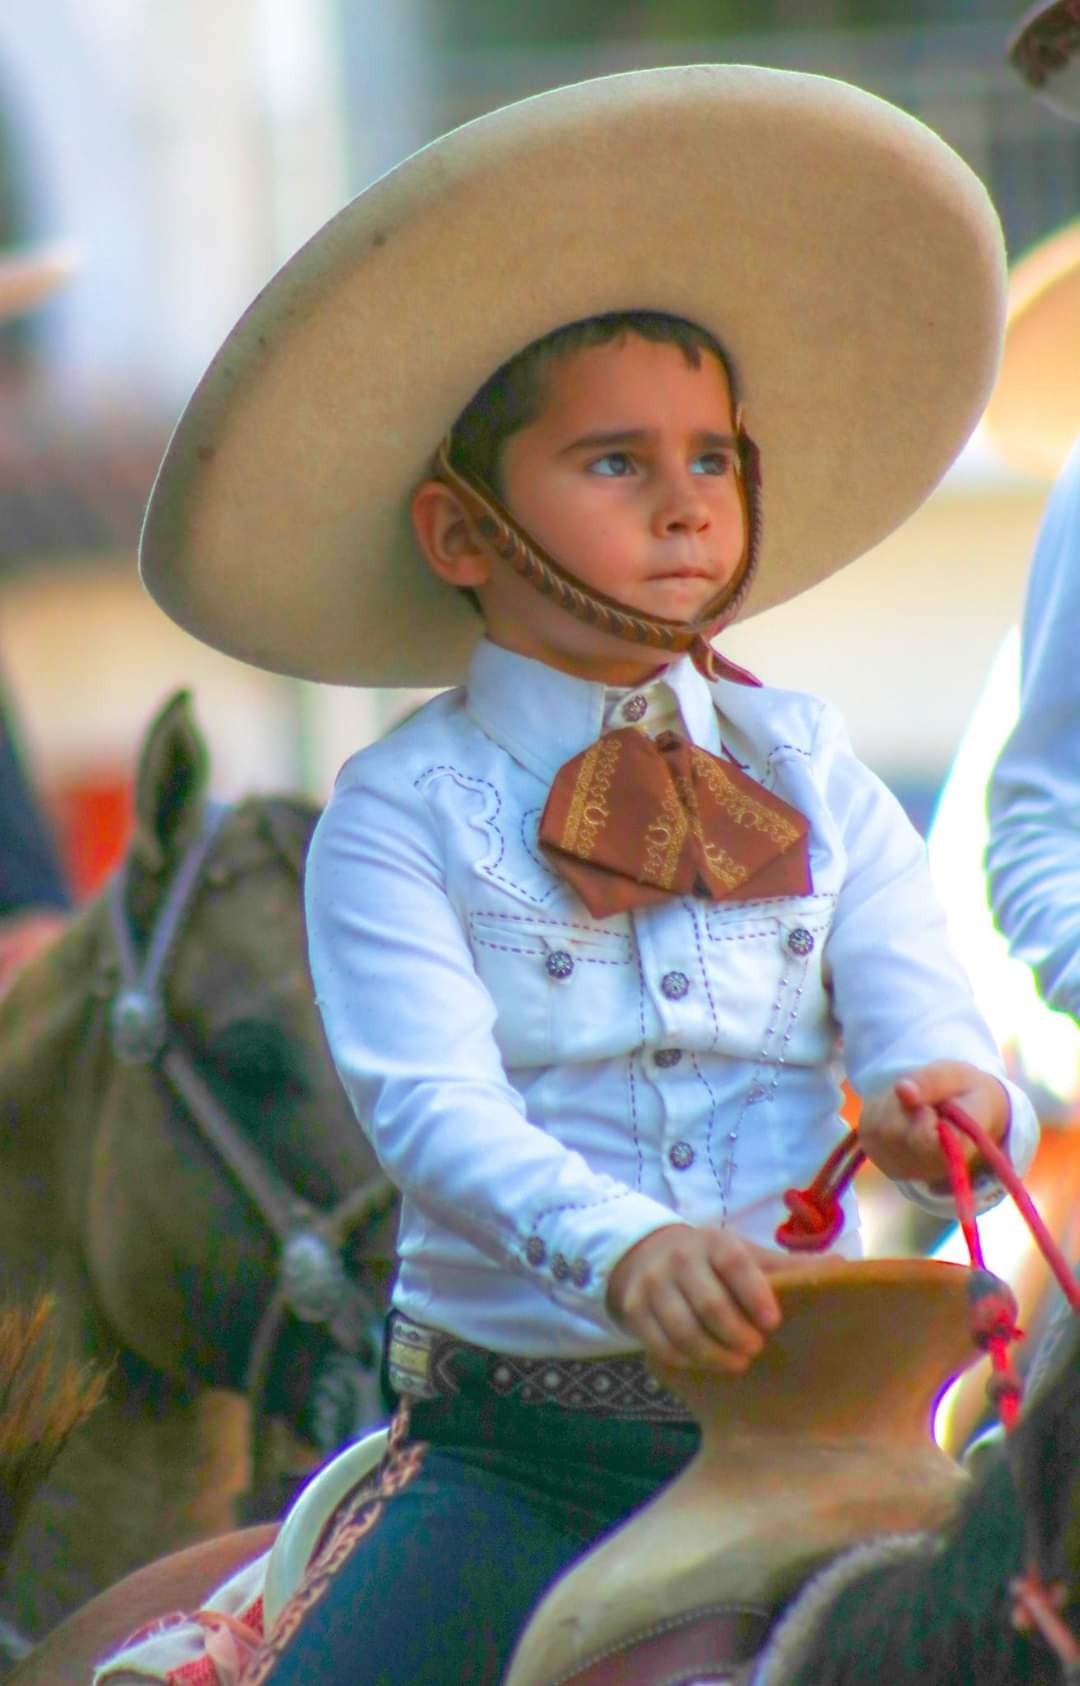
(848, 260)
(1033, 417)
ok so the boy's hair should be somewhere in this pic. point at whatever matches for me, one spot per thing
(512, 397)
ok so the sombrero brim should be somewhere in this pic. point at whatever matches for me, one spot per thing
(848, 260)
(1033, 418)
(28, 277)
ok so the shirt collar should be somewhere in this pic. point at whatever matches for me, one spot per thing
(542, 716)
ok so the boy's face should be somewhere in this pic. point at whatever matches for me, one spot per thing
(626, 478)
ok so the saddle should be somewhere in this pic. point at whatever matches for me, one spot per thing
(824, 1442)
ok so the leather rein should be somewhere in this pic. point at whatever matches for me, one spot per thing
(313, 1284)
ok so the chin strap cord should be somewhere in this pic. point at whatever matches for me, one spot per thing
(816, 1220)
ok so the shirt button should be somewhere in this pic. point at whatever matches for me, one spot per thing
(560, 1268)
(800, 941)
(582, 1273)
(674, 985)
(634, 708)
(535, 1251)
(665, 1057)
(681, 1155)
(559, 964)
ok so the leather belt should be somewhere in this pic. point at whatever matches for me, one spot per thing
(424, 1363)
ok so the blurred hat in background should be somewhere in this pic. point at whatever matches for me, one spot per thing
(29, 275)
(1045, 48)
(1033, 417)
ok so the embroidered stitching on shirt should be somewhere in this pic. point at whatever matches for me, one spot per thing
(488, 868)
(692, 911)
(781, 749)
(582, 959)
(634, 1130)
(578, 1206)
(713, 1110)
(554, 924)
(529, 831)
(551, 930)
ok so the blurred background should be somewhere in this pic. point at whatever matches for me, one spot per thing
(183, 148)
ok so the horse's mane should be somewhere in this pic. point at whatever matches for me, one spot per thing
(289, 822)
(40, 1013)
(41, 1403)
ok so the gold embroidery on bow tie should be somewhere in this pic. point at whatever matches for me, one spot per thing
(589, 812)
(743, 808)
(665, 836)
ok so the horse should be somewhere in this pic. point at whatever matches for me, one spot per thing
(180, 1166)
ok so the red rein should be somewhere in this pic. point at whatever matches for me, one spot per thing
(817, 1219)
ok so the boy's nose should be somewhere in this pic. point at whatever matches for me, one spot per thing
(681, 510)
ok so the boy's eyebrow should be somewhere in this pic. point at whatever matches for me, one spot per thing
(705, 438)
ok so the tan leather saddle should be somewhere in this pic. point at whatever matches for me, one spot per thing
(824, 1442)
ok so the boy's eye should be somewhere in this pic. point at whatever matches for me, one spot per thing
(712, 462)
(616, 464)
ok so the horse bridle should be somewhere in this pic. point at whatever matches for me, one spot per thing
(313, 1283)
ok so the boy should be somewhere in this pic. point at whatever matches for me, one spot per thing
(585, 932)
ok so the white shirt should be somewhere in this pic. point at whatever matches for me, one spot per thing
(547, 1088)
(1033, 857)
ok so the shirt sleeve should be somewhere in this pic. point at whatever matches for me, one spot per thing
(411, 1030)
(1033, 855)
(901, 997)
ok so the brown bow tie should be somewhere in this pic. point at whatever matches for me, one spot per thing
(631, 821)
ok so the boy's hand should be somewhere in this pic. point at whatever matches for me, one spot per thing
(898, 1128)
(696, 1298)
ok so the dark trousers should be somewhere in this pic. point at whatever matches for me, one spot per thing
(432, 1577)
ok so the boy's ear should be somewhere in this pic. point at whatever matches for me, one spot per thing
(447, 536)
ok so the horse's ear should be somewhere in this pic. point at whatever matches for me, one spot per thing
(170, 786)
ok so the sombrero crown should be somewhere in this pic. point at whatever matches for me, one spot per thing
(847, 259)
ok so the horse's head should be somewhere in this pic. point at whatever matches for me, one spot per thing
(221, 1133)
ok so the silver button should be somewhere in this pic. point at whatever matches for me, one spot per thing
(800, 940)
(674, 985)
(560, 1268)
(634, 708)
(535, 1251)
(665, 1057)
(581, 1272)
(559, 964)
(681, 1155)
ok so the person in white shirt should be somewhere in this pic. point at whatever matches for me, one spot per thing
(1034, 790)
(587, 931)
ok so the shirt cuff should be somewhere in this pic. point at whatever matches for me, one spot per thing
(571, 1250)
(1019, 1142)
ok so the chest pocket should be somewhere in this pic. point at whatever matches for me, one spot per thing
(561, 988)
(767, 980)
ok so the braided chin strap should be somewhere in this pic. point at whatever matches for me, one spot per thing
(501, 534)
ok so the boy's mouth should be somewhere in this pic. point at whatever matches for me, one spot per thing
(687, 572)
